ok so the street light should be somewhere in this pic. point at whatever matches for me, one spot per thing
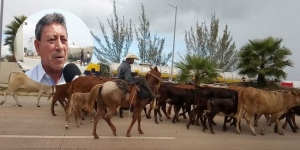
(171, 79)
(1, 20)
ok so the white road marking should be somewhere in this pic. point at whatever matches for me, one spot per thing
(84, 137)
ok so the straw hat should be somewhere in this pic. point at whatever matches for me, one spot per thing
(131, 55)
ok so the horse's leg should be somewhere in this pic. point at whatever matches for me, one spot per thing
(134, 117)
(150, 109)
(156, 110)
(54, 100)
(107, 117)
(100, 112)
(137, 115)
(139, 125)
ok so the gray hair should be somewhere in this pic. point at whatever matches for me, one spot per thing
(46, 20)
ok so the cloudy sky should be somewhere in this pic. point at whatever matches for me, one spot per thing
(246, 19)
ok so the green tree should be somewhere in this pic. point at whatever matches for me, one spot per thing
(264, 58)
(197, 67)
(121, 36)
(150, 50)
(11, 31)
(104, 70)
(207, 43)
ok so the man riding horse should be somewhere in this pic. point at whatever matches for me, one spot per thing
(124, 72)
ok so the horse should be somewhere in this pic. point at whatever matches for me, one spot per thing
(110, 96)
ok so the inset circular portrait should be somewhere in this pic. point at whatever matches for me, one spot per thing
(48, 41)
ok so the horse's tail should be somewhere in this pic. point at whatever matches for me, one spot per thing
(94, 94)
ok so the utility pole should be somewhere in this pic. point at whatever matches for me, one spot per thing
(171, 78)
(1, 21)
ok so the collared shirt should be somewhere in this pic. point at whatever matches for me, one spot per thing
(38, 74)
(124, 72)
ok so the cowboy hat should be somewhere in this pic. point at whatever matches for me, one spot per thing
(131, 55)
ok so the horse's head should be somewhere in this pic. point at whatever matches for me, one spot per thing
(153, 77)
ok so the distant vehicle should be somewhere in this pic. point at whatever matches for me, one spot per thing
(92, 68)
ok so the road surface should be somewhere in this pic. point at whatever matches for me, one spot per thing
(31, 127)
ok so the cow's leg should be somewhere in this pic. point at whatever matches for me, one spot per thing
(15, 95)
(256, 117)
(205, 118)
(176, 111)
(294, 122)
(238, 117)
(121, 112)
(268, 122)
(38, 98)
(248, 118)
(5, 95)
(210, 120)
(146, 114)
(76, 113)
(224, 125)
(163, 108)
(193, 113)
(68, 114)
(289, 120)
(177, 115)
(169, 109)
(285, 122)
(198, 118)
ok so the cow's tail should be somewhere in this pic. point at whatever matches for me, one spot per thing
(95, 96)
(239, 102)
(10, 76)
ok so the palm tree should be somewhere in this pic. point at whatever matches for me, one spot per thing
(264, 58)
(194, 66)
(11, 32)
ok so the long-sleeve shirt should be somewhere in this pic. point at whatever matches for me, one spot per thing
(124, 72)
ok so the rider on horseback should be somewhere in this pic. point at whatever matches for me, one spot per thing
(124, 72)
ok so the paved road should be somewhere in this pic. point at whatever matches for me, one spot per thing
(30, 127)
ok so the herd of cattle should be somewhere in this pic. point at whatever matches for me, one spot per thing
(199, 102)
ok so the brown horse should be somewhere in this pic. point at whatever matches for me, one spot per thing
(109, 95)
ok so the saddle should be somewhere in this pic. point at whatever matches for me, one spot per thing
(126, 88)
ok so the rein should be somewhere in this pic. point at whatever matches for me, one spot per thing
(52, 90)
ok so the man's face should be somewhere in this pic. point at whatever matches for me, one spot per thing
(53, 47)
(131, 60)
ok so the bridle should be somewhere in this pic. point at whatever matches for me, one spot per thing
(158, 78)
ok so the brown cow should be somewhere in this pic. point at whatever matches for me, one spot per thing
(257, 101)
(61, 94)
(78, 102)
(85, 85)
